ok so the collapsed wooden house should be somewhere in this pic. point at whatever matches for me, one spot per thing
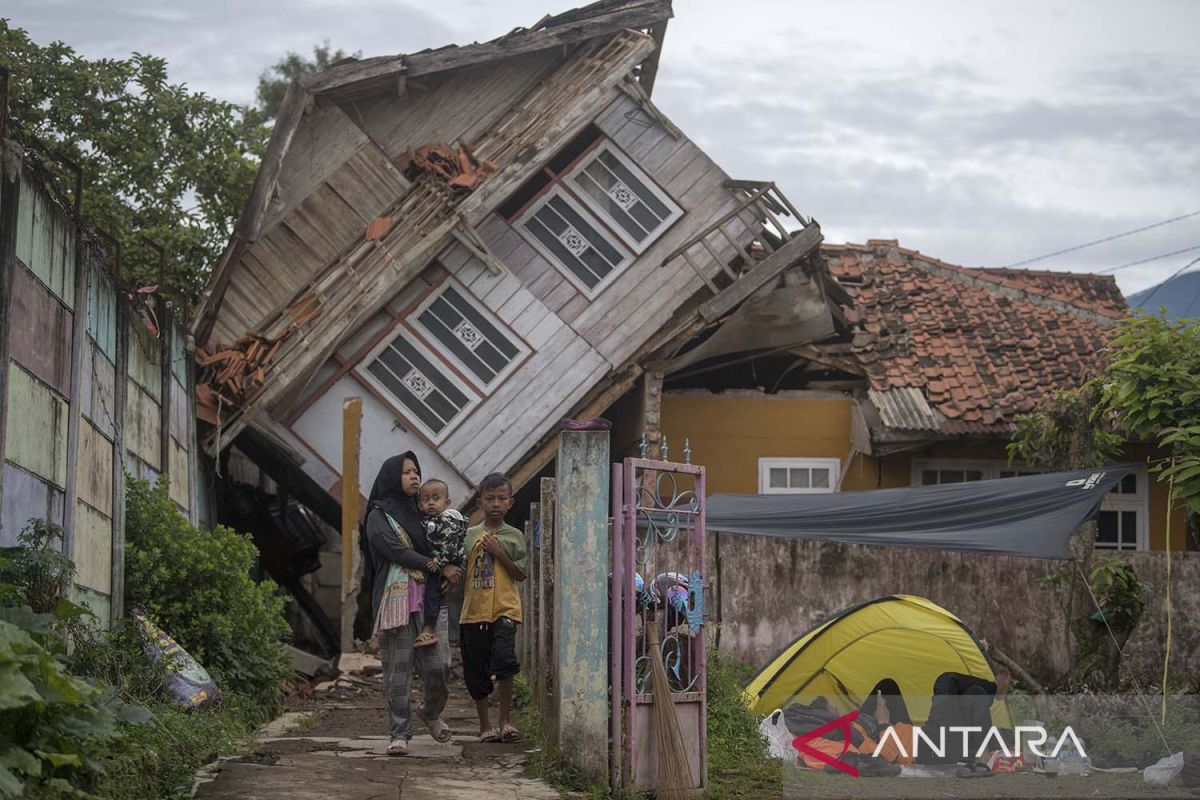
(480, 241)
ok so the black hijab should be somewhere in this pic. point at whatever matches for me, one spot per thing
(388, 494)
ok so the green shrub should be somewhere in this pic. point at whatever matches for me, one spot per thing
(196, 585)
(51, 722)
(739, 760)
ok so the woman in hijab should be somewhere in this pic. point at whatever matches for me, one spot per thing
(395, 559)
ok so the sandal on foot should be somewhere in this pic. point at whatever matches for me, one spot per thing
(425, 640)
(440, 731)
(510, 734)
(397, 747)
(490, 737)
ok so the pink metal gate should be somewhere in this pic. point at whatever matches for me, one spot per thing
(658, 580)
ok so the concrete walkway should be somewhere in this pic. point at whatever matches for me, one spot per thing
(333, 746)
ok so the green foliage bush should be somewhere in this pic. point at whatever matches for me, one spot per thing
(51, 721)
(739, 760)
(196, 585)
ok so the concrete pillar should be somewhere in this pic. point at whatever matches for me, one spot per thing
(581, 601)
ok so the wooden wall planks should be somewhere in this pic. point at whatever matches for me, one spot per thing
(93, 549)
(46, 240)
(26, 496)
(94, 471)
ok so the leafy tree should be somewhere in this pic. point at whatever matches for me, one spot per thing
(1148, 390)
(273, 83)
(159, 160)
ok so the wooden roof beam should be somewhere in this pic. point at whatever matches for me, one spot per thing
(638, 16)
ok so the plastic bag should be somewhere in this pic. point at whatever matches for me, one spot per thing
(188, 684)
(1164, 771)
(778, 737)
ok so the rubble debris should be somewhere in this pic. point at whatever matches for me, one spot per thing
(309, 665)
(457, 167)
(230, 375)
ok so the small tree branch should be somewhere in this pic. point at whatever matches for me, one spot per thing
(1039, 697)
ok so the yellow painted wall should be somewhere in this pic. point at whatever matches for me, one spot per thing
(729, 432)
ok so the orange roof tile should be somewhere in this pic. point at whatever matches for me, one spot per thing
(981, 345)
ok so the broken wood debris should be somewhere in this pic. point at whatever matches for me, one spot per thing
(230, 375)
(456, 167)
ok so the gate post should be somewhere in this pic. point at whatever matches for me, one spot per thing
(581, 609)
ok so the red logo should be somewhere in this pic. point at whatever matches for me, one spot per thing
(842, 723)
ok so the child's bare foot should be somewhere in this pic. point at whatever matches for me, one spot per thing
(426, 638)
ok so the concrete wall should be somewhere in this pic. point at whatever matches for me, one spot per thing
(66, 334)
(998, 597)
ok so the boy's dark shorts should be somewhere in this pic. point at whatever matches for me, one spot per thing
(488, 649)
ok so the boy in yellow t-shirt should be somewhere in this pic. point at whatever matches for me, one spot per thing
(496, 560)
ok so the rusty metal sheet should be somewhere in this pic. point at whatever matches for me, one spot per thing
(94, 469)
(142, 426)
(179, 474)
(36, 427)
(93, 549)
(39, 331)
(26, 496)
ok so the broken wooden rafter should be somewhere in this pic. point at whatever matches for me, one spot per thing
(765, 271)
(469, 238)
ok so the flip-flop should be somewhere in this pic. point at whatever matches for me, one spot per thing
(490, 737)
(399, 747)
(425, 640)
(439, 730)
(510, 734)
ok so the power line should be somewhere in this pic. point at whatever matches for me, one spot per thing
(1148, 260)
(1178, 272)
(1102, 241)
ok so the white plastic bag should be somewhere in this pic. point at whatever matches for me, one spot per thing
(773, 729)
(1165, 770)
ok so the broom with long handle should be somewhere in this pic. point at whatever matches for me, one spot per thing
(674, 768)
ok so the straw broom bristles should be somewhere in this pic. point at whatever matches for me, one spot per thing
(675, 780)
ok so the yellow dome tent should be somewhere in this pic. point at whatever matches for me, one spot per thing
(906, 638)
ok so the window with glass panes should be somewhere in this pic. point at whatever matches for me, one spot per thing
(1121, 523)
(797, 475)
(932, 472)
(459, 329)
(424, 387)
(590, 211)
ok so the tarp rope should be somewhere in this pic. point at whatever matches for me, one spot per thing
(1167, 657)
(1137, 687)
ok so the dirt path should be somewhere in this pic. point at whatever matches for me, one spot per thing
(333, 746)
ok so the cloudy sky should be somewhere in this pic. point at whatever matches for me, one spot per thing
(983, 133)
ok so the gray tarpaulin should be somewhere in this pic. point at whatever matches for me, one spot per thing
(1027, 516)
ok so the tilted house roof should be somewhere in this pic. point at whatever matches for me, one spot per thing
(956, 350)
(301, 268)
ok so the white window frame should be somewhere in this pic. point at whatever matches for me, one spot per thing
(361, 372)
(765, 465)
(618, 244)
(413, 320)
(1139, 503)
(605, 145)
(990, 468)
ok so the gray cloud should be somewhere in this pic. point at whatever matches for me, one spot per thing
(944, 125)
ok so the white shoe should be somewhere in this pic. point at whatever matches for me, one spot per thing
(397, 747)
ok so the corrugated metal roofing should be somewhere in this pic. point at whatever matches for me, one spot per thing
(905, 409)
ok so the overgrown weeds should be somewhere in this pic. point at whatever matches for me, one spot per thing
(739, 763)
